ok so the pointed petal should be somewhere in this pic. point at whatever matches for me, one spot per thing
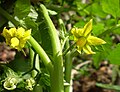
(87, 28)
(74, 31)
(95, 40)
(87, 50)
(79, 49)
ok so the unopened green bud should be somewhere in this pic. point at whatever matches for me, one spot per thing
(10, 83)
(30, 83)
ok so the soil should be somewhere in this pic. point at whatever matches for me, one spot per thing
(87, 83)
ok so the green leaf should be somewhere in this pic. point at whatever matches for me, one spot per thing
(52, 12)
(108, 86)
(2, 21)
(31, 24)
(98, 29)
(33, 14)
(114, 56)
(97, 59)
(95, 9)
(20, 64)
(45, 80)
(45, 38)
(111, 7)
(22, 8)
(102, 54)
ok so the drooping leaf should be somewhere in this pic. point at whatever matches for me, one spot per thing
(22, 8)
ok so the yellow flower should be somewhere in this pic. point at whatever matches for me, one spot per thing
(84, 39)
(16, 38)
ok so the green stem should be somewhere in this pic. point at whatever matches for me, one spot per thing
(52, 31)
(41, 53)
(32, 56)
(57, 74)
(68, 58)
(68, 49)
(35, 63)
(8, 17)
(68, 67)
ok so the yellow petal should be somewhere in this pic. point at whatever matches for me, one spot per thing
(20, 32)
(79, 49)
(87, 28)
(87, 50)
(5, 33)
(14, 42)
(95, 40)
(74, 31)
(27, 34)
(12, 31)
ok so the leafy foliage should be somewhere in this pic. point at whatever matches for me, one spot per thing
(74, 13)
(22, 8)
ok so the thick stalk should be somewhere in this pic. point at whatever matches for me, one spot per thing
(57, 74)
(44, 57)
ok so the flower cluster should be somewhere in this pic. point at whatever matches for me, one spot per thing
(16, 38)
(84, 39)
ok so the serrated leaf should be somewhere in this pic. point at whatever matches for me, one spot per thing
(114, 56)
(111, 7)
(22, 8)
